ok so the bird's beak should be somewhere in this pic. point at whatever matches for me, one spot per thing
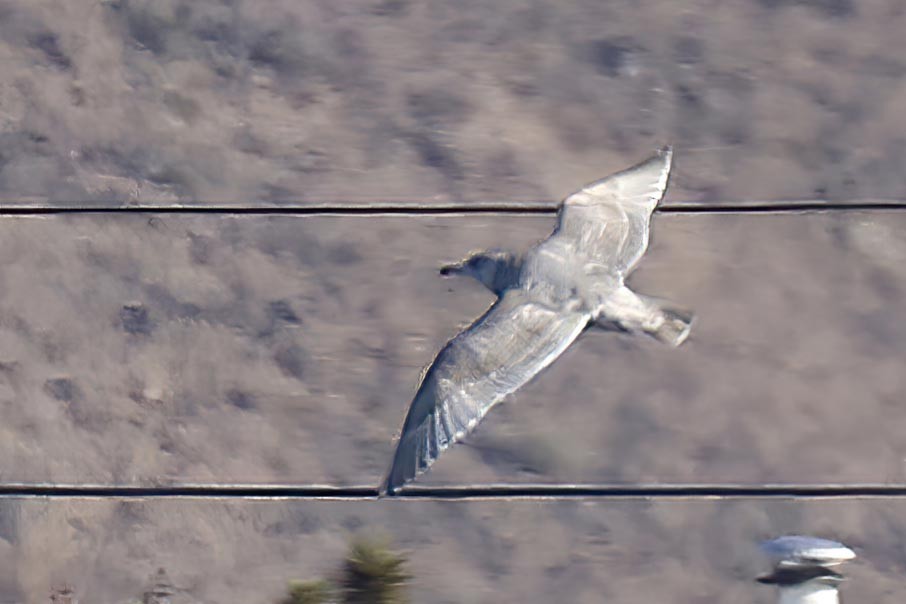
(448, 270)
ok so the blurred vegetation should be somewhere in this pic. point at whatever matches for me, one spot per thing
(309, 592)
(371, 573)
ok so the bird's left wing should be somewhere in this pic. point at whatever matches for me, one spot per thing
(607, 221)
(514, 340)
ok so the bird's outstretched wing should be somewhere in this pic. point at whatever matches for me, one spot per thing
(514, 340)
(607, 221)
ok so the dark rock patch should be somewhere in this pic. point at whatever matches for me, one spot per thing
(62, 389)
(135, 319)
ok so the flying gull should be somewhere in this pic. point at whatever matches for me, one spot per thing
(546, 298)
(802, 570)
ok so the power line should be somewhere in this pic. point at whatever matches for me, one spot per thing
(341, 208)
(457, 493)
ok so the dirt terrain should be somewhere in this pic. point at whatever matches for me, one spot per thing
(482, 552)
(273, 101)
(159, 349)
(170, 349)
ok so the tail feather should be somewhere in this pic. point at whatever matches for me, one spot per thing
(675, 328)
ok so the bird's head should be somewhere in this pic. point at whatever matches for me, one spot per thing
(490, 268)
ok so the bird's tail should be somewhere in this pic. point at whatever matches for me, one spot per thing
(676, 326)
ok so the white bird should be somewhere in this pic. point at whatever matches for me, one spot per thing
(546, 298)
(802, 570)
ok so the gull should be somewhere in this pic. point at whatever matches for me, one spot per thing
(546, 298)
(802, 570)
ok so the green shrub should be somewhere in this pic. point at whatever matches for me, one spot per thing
(308, 592)
(373, 574)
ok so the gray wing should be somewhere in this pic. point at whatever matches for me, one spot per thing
(607, 221)
(514, 340)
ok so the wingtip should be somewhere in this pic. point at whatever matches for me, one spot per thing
(666, 153)
(392, 483)
(664, 159)
(385, 489)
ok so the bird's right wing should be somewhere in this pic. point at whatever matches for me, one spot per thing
(514, 340)
(607, 221)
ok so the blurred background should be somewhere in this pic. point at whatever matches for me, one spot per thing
(149, 350)
(276, 101)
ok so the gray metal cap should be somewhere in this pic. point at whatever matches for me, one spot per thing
(799, 550)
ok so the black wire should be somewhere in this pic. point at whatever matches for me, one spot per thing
(528, 208)
(453, 493)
